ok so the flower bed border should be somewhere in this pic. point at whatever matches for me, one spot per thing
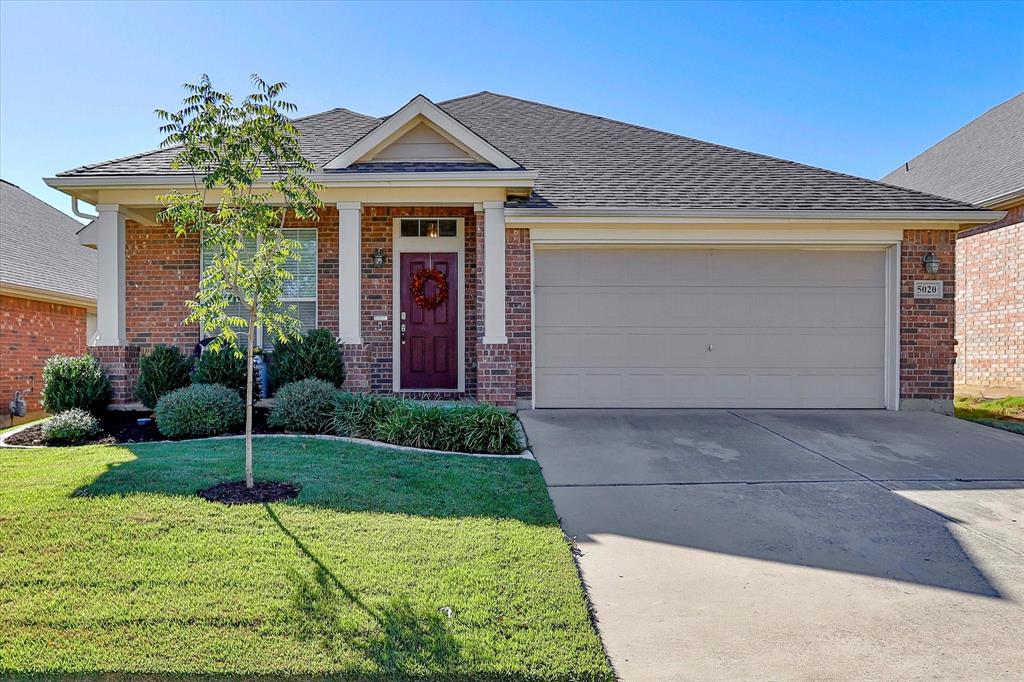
(525, 454)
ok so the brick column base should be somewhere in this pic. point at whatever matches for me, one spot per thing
(121, 364)
(496, 375)
(357, 367)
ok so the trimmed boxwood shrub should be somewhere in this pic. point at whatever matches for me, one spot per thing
(162, 370)
(304, 406)
(71, 427)
(70, 382)
(223, 367)
(316, 355)
(199, 410)
(469, 428)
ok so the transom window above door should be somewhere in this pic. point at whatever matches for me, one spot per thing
(429, 227)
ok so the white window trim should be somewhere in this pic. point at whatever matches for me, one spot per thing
(285, 301)
(456, 244)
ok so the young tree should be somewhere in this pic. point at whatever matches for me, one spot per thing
(248, 173)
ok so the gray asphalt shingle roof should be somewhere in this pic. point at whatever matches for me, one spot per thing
(587, 161)
(39, 247)
(982, 161)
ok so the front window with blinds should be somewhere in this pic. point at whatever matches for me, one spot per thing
(300, 291)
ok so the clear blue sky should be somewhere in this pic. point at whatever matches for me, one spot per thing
(856, 87)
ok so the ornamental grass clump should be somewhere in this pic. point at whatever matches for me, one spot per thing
(305, 406)
(71, 427)
(162, 370)
(75, 382)
(200, 410)
(469, 428)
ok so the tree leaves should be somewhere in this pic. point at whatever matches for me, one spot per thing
(248, 175)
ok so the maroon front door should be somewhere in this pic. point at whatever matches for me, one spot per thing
(430, 339)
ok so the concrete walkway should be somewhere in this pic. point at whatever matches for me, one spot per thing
(794, 545)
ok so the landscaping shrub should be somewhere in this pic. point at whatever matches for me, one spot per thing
(358, 414)
(199, 410)
(70, 382)
(316, 355)
(470, 428)
(304, 406)
(162, 370)
(71, 427)
(221, 367)
(485, 428)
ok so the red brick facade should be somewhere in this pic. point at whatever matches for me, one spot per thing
(927, 351)
(990, 305)
(30, 332)
(163, 272)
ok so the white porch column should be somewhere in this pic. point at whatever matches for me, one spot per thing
(110, 282)
(494, 272)
(349, 271)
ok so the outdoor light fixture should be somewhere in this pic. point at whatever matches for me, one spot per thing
(378, 258)
(931, 263)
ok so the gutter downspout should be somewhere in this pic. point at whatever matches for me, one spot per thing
(83, 216)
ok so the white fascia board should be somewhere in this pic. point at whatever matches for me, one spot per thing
(668, 216)
(37, 294)
(421, 106)
(498, 178)
(1004, 199)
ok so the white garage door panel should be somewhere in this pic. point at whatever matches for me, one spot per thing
(632, 328)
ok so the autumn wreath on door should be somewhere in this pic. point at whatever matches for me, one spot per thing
(419, 288)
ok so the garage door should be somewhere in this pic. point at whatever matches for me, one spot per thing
(676, 327)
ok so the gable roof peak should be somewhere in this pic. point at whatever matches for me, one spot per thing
(418, 109)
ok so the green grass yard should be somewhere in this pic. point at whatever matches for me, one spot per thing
(389, 565)
(1004, 413)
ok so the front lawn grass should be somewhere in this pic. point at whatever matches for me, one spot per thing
(388, 565)
(1000, 413)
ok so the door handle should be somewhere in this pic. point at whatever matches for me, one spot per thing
(711, 346)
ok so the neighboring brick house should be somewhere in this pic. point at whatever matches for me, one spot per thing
(590, 263)
(983, 163)
(47, 292)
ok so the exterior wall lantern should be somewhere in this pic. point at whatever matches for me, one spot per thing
(378, 258)
(931, 263)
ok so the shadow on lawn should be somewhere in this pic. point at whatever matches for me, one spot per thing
(404, 642)
(339, 476)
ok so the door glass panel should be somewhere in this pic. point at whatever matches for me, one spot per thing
(410, 228)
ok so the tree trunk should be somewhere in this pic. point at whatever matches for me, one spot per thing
(249, 482)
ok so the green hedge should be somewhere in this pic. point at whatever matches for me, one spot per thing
(223, 367)
(316, 355)
(469, 428)
(304, 406)
(200, 410)
(75, 382)
(162, 370)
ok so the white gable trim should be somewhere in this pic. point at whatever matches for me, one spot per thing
(420, 106)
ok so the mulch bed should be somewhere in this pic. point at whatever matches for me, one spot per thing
(121, 426)
(263, 491)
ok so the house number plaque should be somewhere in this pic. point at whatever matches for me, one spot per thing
(927, 288)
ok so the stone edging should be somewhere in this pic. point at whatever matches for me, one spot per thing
(525, 454)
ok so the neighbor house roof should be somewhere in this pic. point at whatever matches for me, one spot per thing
(982, 163)
(587, 161)
(39, 250)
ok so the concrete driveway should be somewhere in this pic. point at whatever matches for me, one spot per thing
(782, 545)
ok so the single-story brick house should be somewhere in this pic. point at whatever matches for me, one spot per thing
(983, 163)
(590, 263)
(47, 293)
